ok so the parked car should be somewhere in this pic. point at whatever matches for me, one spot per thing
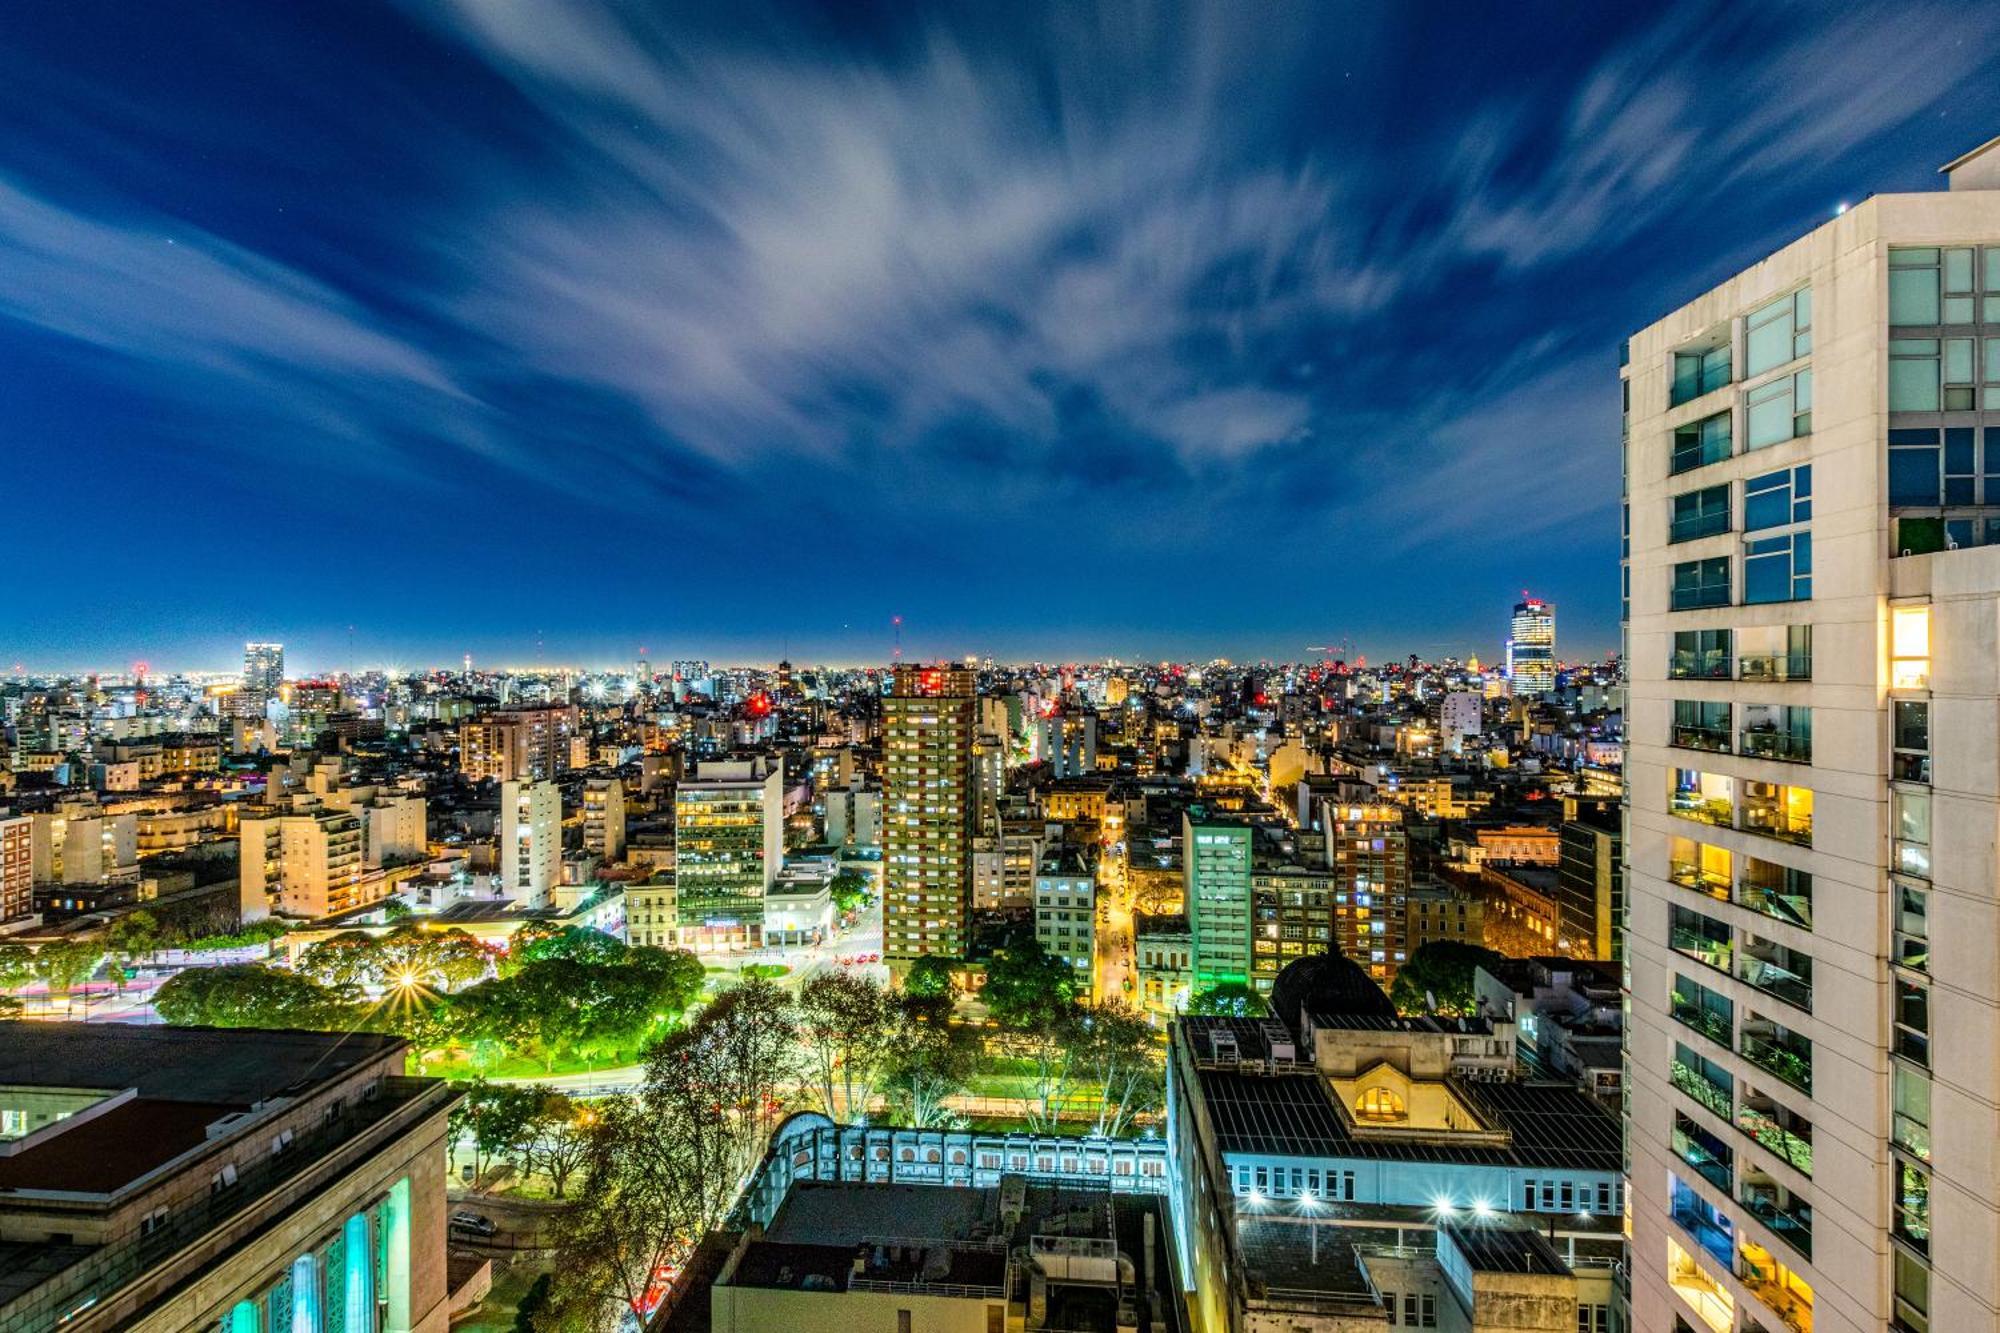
(474, 1223)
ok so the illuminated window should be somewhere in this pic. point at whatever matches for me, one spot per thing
(1910, 648)
(1380, 1104)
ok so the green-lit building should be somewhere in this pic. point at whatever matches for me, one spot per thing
(1216, 864)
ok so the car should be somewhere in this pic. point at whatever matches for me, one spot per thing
(474, 1223)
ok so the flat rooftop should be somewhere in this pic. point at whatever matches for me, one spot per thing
(235, 1066)
(106, 1152)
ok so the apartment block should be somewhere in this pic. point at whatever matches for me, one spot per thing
(1812, 467)
(928, 719)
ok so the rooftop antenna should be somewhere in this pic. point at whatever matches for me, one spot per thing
(897, 622)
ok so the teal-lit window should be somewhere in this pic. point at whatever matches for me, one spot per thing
(1990, 371)
(1777, 498)
(1914, 297)
(1958, 303)
(1700, 443)
(1697, 373)
(1960, 373)
(1915, 379)
(1778, 411)
(1778, 569)
(1700, 513)
(1779, 332)
(1699, 583)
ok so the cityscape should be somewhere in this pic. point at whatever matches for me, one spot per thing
(802, 670)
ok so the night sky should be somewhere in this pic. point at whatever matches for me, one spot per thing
(730, 331)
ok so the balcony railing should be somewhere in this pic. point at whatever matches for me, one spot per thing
(1790, 1060)
(1785, 1136)
(1702, 948)
(1785, 897)
(1790, 1301)
(1698, 1086)
(1713, 1162)
(1697, 525)
(1715, 666)
(1775, 667)
(1698, 598)
(1703, 809)
(1690, 875)
(1690, 737)
(1779, 745)
(1775, 821)
(1702, 1019)
(1789, 1220)
(1782, 973)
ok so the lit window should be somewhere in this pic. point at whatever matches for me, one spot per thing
(1910, 648)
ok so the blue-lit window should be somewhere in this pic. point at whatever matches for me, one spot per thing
(1780, 332)
(1700, 443)
(1778, 569)
(1778, 411)
(1700, 513)
(1699, 583)
(1777, 498)
(1931, 467)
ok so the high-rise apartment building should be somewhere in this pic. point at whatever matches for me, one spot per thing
(604, 818)
(517, 744)
(1812, 466)
(17, 867)
(928, 720)
(1590, 882)
(1216, 863)
(303, 864)
(1531, 651)
(530, 850)
(729, 845)
(1369, 850)
(263, 667)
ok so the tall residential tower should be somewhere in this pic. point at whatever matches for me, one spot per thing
(1812, 466)
(928, 719)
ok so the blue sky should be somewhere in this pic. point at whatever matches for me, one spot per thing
(732, 330)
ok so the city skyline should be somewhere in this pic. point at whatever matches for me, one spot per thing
(928, 314)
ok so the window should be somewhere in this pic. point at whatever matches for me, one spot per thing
(1958, 299)
(1700, 443)
(1915, 375)
(1910, 1100)
(1910, 827)
(1778, 811)
(1700, 513)
(1708, 798)
(1913, 1206)
(1913, 933)
(1913, 1291)
(1780, 332)
(1700, 654)
(1699, 372)
(1700, 583)
(1913, 286)
(1699, 937)
(1778, 569)
(1777, 498)
(1700, 725)
(1913, 1021)
(1958, 373)
(1910, 740)
(1777, 731)
(1910, 648)
(1778, 411)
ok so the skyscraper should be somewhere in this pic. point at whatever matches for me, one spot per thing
(1531, 652)
(1814, 1093)
(927, 811)
(263, 667)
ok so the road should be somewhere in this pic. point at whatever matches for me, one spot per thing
(1117, 965)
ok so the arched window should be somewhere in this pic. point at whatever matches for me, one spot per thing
(1379, 1104)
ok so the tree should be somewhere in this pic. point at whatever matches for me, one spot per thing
(847, 1026)
(532, 1304)
(250, 995)
(351, 958)
(931, 1061)
(578, 944)
(1228, 999)
(1440, 971)
(412, 957)
(134, 936)
(931, 977)
(495, 1117)
(1119, 1051)
(1028, 988)
(17, 964)
(850, 891)
(555, 1137)
(62, 964)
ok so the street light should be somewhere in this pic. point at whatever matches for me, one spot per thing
(1309, 1204)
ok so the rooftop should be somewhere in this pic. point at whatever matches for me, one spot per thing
(175, 1064)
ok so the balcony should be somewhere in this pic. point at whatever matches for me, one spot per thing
(1692, 875)
(1707, 666)
(1698, 597)
(1703, 1010)
(1694, 936)
(1700, 1087)
(1781, 746)
(1688, 527)
(1778, 1050)
(1779, 668)
(1784, 1134)
(1775, 811)
(1708, 1155)
(1690, 737)
(1779, 892)
(1784, 974)
(1703, 807)
(1788, 1216)
(1707, 1297)
(1708, 1228)
(1783, 1292)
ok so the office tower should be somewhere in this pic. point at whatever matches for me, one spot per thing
(17, 867)
(928, 718)
(302, 864)
(604, 818)
(1590, 882)
(263, 667)
(530, 847)
(1215, 871)
(1531, 652)
(168, 1178)
(1812, 466)
(517, 744)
